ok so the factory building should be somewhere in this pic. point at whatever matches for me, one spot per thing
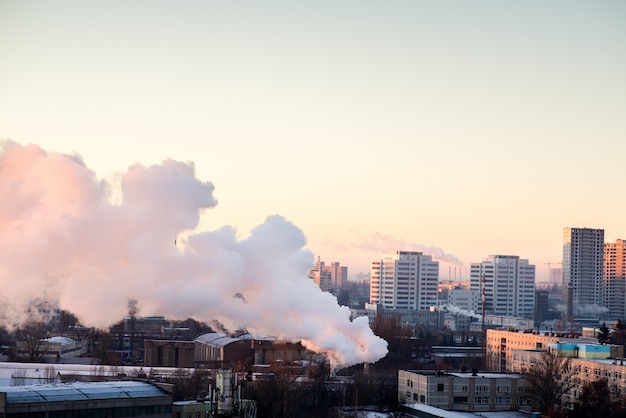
(93, 399)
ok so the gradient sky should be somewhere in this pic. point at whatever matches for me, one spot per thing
(475, 128)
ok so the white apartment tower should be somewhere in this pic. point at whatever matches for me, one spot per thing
(509, 285)
(583, 268)
(615, 279)
(405, 280)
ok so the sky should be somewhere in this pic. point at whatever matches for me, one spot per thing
(459, 128)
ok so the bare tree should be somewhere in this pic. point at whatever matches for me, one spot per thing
(50, 374)
(67, 320)
(18, 377)
(550, 379)
(30, 337)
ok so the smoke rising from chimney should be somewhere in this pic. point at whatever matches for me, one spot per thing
(56, 221)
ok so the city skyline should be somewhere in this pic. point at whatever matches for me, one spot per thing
(460, 132)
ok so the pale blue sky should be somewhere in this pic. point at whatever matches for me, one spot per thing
(476, 127)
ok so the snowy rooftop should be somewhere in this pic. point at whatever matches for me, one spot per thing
(215, 338)
(61, 340)
(458, 414)
(79, 391)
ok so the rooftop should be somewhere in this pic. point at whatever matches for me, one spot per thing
(61, 340)
(80, 391)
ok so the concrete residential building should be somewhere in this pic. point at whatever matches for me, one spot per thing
(501, 343)
(329, 278)
(471, 392)
(589, 362)
(405, 280)
(583, 268)
(615, 279)
(509, 285)
(542, 306)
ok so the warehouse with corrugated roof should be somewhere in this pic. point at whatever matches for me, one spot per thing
(86, 399)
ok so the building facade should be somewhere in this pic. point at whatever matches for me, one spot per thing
(509, 285)
(405, 280)
(588, 363)
(615, 279)
(169, 353)
(472, 392)
(542, 306)
(468, 300)
(583, 269)
(501, 343)
(330, 278)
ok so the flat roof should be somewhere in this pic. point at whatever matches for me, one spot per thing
(460, 414)
(487, 375)
(81, 391)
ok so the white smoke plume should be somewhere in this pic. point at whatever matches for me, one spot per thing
(381, 243)
(460, 311)
(57, 222)
(592, 310)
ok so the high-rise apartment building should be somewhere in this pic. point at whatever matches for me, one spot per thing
(338, 274)
(615, 279)
(509, 285)
(583, 268)
(404, 280)
(329, 278)
(542, 306)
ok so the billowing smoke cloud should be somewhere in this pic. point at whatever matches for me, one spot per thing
(382, 244)
(56, 224)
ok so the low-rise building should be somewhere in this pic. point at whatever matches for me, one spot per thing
(52, 348)
(584, 370)
(102, 399)
(169, 353)
(472, 392)
(502, 343)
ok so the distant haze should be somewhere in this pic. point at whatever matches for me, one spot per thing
(60, 234)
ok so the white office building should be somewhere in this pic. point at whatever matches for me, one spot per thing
(405, 280)
(509, 285)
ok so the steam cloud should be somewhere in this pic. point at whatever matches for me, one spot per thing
(381, 243)
(58, 226)
(590, 309)
(460, 311)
